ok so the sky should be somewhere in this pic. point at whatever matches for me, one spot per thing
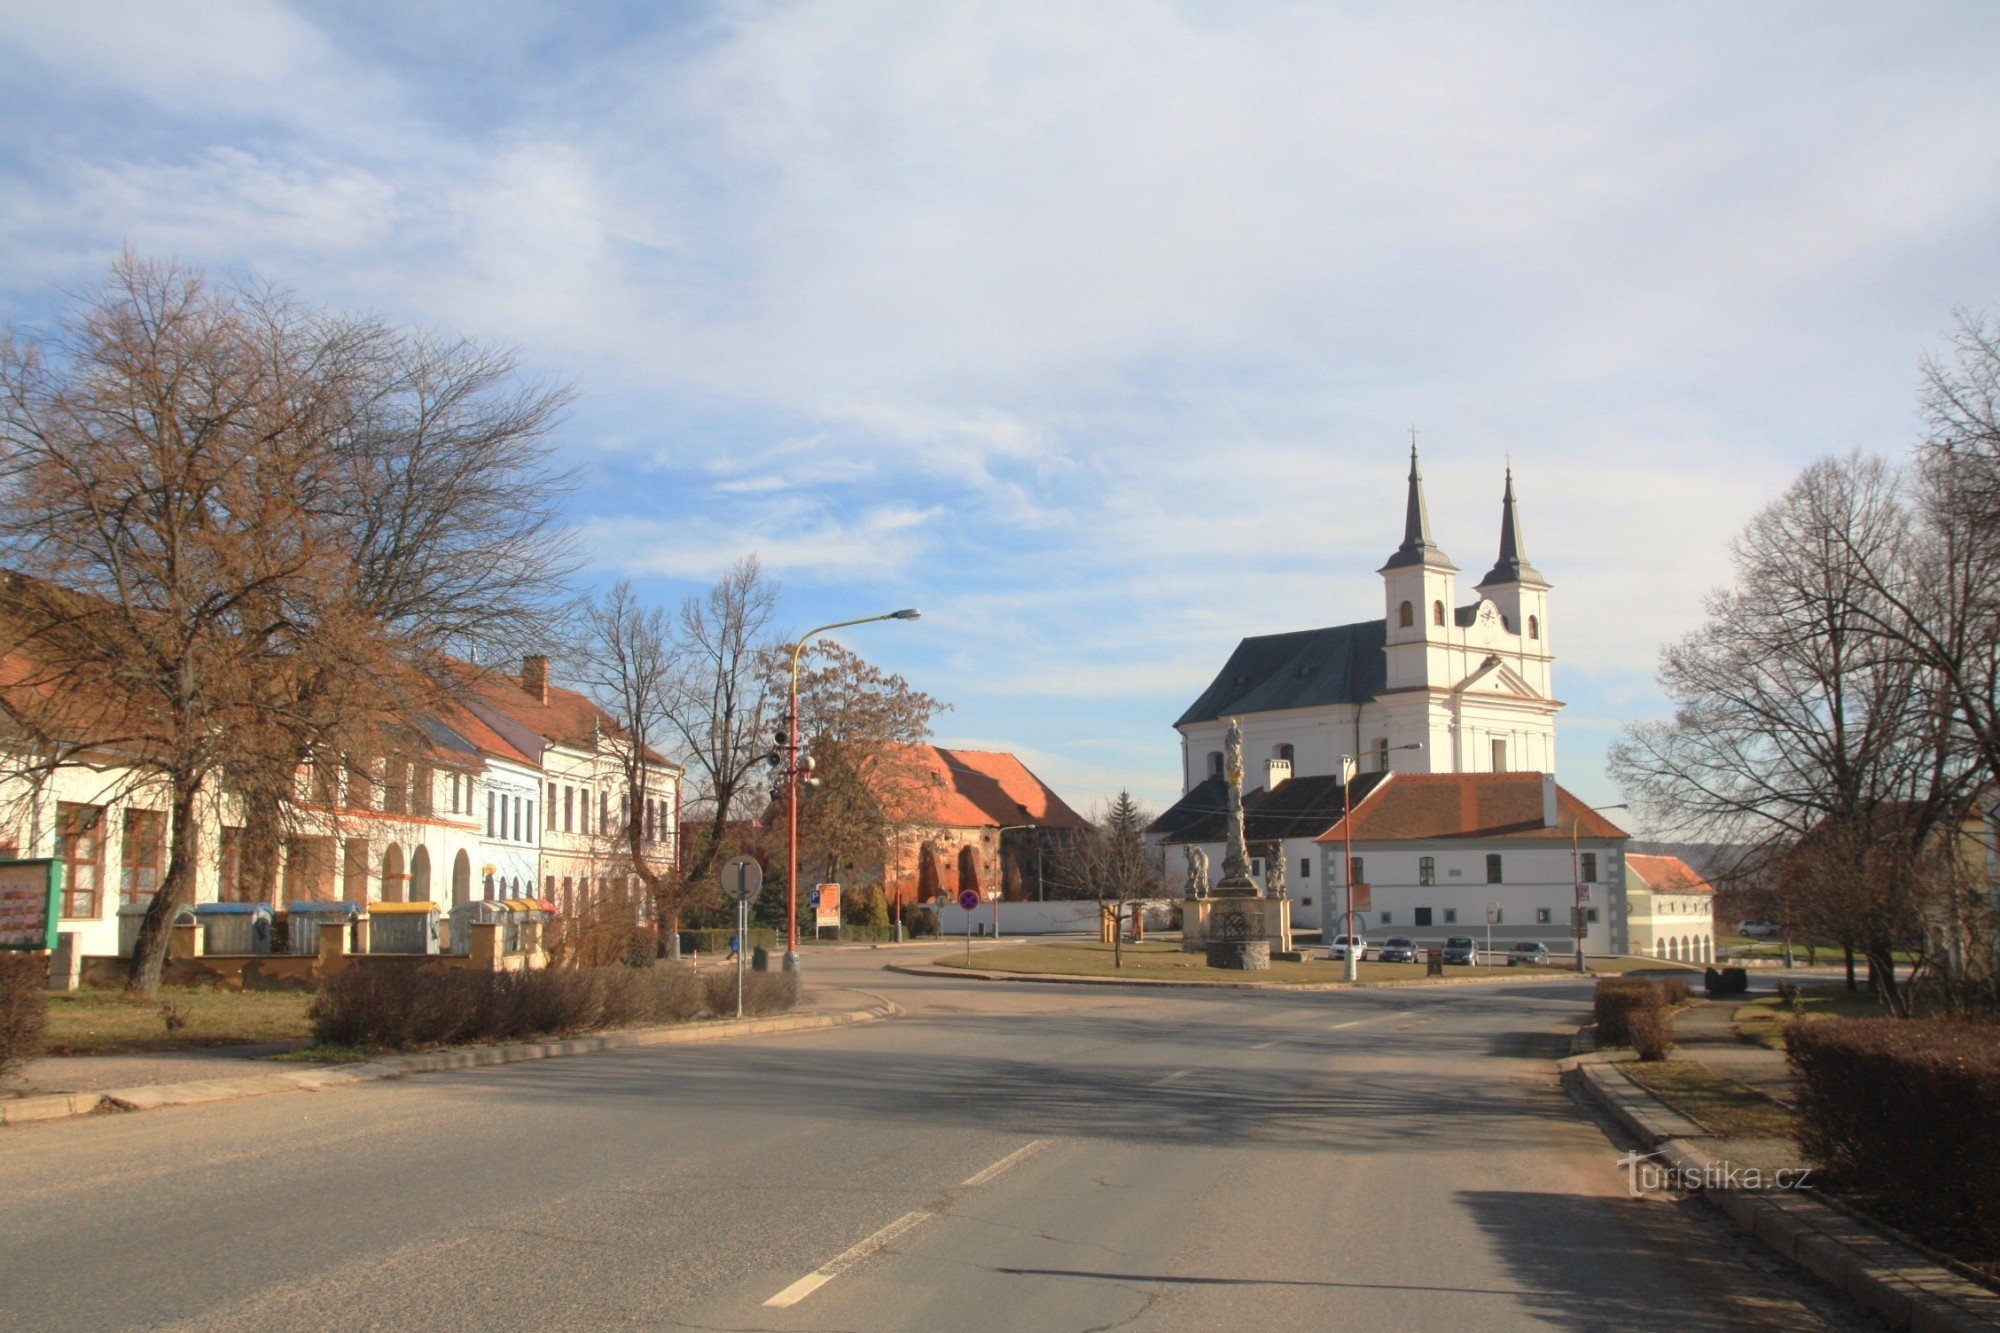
(1096, 331)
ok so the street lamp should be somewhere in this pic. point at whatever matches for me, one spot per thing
(792, 776)
(1576, 872)
(1349, 767)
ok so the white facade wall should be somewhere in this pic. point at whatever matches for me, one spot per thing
(510, 821)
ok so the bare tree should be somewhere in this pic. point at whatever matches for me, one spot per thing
(1109, 861)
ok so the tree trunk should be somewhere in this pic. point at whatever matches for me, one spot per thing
(263, 837)
(1118, 935)
(149, 952)
(1849, 950)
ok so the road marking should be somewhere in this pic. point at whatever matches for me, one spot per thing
(1014, 1158)
(882, 1239)
(1162, 1082)
(1378, 1018)
(1265, 1045)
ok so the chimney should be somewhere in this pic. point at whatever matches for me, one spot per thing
(1549, 800)
(535, 676)
(1277, 772)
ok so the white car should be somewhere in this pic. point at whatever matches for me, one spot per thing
(1337, 951)
(1756, 930)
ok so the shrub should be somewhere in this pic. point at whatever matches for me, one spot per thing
(1674, 990)
(24, 1007)
(405, 1008)
(763, 993)
(1905, 1115)
(919, 922)
(1615, 1000)
(1725, 981)
(1652, 1032)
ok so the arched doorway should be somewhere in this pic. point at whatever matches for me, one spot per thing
(420, 875)
(461, 879)
(394, 881)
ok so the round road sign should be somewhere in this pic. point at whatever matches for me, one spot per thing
(968, 899)
(742, 879)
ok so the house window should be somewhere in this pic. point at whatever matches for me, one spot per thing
(523, 810)
(549, 888)
(80, 847)
(1354, 872)
(1499, 756)
(395, 787)
(569, 897)
(1305, 902)
(1427, 870)
(1215, 763)
(1305, 867)
(1534, 627)
(1591, 914)
(1437, 613)
(1407, 616)
(139, 879)
(1541, 916)
(1451, 916)
(583, 811)
(423, 793)
(1423, 916)
(552, 807)
(492, 813)
(569, 810)
(604, 811)
(1493, 867)
(1381, 754)
(1385, 918)
(1588, 867)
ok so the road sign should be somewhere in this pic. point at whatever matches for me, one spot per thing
(742, 879)
(968, 899)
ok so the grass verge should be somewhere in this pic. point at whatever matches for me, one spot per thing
(1720, 1105)
(1631, 963)
(1761, 1021)
(108, 1022)
(1166, 962)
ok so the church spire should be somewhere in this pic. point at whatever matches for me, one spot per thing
(1512, 566)
(1417, 547)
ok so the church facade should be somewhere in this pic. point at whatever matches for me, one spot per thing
(1434, 686)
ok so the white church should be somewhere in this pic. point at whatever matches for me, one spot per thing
(1470, 685)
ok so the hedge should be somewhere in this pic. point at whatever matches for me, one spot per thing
(1904, 1114)
(1617, 999)
(24, 1007)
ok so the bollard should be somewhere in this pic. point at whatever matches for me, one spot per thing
(760, 959)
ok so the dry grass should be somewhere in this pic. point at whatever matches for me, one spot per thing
(1720, 1105)
(107, 1022)
(1166, 962)
(1631, 963)
(1761, 1022)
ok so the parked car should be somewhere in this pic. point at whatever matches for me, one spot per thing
(1460, 950)
(1528, 953)
(1757, 930)
(1337, 951)
(1397, 949)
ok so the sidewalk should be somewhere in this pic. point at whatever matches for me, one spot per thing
(57, 1087)
(1704, 1034)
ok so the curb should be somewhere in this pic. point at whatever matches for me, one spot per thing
(60, 1106)
(1162, 983)
(1902, 1285)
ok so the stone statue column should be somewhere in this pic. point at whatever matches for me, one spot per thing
(1236, 881)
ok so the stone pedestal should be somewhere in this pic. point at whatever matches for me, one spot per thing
(1240, 955)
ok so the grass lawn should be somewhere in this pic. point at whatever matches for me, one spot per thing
(1721, 1105)
(1165, 961)
(1762, 1021)
(104, 1022)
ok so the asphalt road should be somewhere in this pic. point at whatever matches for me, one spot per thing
(1007, 1156)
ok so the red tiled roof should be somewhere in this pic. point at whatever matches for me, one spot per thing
(1425, 806)
(484, 739)
(1668, 874)
(564, 718)
(988, 789)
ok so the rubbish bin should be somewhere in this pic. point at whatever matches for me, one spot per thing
(467, 915)
(1434, 962)
(403, 928)
(303, 920)
(760, 959)
(234, 927)
(129, 917)
(519, 913)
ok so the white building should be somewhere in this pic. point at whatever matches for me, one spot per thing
(1469, 685)
(1670, 910)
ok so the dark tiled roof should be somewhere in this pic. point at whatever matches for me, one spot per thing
(1342, 664)
(1298, 808)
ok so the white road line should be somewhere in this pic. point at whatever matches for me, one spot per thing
(1265, 1045)
(902, 1226)
(1162, 1082)
(1012, 1159)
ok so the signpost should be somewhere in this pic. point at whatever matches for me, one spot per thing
(30, 904)
(742, 881)
(969, 900)
(1492, 915)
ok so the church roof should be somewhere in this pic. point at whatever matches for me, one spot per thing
(1342, 664)
(1297, 808)
(1417, 547)
(1512, 566)
(1430, 807)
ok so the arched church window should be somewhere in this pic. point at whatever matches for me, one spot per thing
(1534, 627)
(1407, 616)
(1507, 622)
(1437, 613)
(1283, 752)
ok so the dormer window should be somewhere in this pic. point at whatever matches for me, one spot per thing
(1437, 613)
(1407, 616)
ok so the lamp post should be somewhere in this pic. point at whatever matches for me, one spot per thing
(1576, 873)
(792, 776)
(1349, 767)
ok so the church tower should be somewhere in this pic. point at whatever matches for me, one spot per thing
(1521, 594)
(1419, 605)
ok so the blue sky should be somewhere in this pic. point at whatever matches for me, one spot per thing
(1094, 330)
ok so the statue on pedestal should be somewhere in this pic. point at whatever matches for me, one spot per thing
(1274, 878)
(1197, 872)
(1236, 881)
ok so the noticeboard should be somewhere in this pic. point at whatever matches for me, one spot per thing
(826, 906)
(30, 903)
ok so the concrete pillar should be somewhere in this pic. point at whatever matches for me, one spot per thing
(185, 942)
(485, 953)
(332, 947)
(363, 931)
(66, 963)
